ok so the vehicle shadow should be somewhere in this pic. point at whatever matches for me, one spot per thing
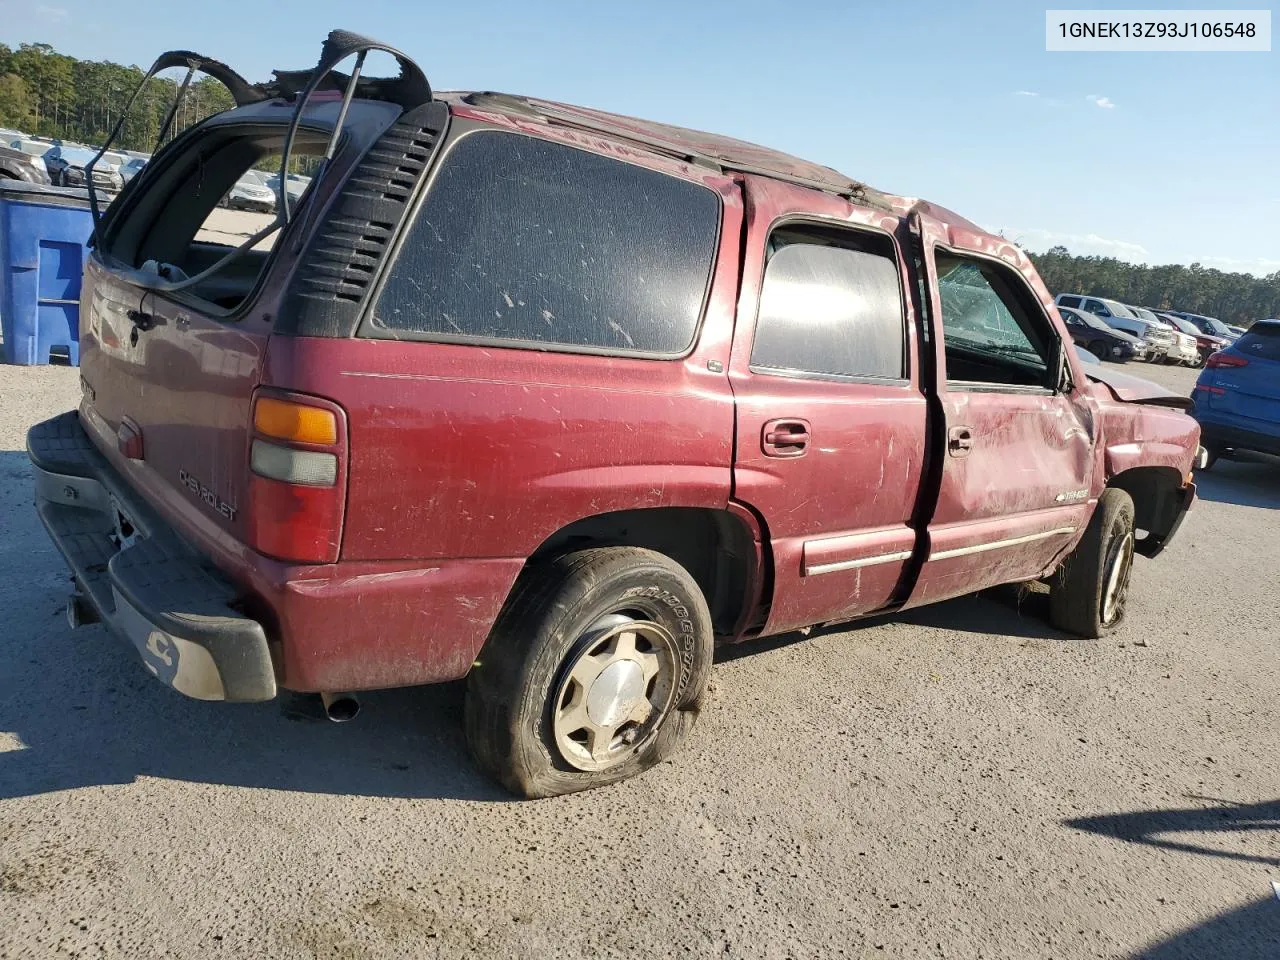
(1250, 932)
(79, 709)
(1248, 480)
(1149, 827)
(1009, 611)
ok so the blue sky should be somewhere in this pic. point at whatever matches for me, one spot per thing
(1153, 157)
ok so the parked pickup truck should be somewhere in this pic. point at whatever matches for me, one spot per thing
(554, 399)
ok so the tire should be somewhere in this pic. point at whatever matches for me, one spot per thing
(1082, 598)
(1099, 349)
(534, 679)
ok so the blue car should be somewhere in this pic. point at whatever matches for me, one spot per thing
(1237, 398)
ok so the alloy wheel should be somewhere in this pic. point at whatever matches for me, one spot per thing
(614, 691)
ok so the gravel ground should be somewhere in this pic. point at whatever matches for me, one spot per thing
(960, 782)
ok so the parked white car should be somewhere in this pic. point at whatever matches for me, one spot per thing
(1184, 349)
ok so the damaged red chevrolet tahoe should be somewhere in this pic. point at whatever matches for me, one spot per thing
(553, 400)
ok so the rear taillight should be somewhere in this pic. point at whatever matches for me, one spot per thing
(298, 477)
(1219, 360)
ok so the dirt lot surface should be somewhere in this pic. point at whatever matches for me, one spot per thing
(960, 782)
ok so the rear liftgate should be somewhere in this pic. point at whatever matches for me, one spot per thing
(409, 89)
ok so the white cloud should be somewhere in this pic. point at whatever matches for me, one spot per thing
(1258, 266)
(1083, 244)
(56, 14)
(1093, 245)
(1025, 93)
(1106, 103)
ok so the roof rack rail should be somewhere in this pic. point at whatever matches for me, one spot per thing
(721, 162)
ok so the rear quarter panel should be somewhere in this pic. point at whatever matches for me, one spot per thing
(464, 459)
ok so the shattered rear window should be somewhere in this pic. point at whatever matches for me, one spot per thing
(529, 241)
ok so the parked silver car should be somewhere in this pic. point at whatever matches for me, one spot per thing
(252, 193)
(131, 167)
(35, 149)
(66, 164)
(296, 185)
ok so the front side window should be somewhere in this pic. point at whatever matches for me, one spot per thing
(539, 244)
(830, 305)
(1095, 307)
(993, 330)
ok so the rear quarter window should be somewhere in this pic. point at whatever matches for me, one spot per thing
(536, 244)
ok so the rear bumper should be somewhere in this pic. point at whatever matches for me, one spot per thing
(142, 579)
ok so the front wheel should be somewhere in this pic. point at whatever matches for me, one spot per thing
(595, 671)
(1099, 349)
(1088, 592)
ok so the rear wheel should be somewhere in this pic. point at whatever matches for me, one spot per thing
(1087, 594)
(594, 672)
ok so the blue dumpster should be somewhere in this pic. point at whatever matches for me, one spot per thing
(44, 236)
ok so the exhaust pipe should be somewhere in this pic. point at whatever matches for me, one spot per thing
(340, 707)
(81, 612)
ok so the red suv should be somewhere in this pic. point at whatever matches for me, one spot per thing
(553, 400)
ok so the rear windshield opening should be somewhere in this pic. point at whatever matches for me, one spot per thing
(207, 201)
(1262, 340)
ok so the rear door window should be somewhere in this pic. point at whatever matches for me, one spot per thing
(830, 305)
(1069, 301)
(525, 242)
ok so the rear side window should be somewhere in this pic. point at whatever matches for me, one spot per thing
(1069, 301)
(830, 305)
(1262, 340)
(536, 243)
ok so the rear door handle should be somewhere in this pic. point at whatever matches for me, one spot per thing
(959, 441)
(785, 438)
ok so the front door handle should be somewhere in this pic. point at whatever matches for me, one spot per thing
(785, 438)
(959, 441)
